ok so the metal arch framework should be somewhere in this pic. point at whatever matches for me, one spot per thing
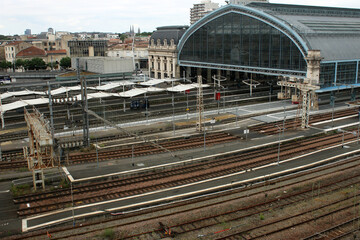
(250, 12)
(266, 71)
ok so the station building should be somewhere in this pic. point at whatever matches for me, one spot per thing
(163, 57)
(270, 40)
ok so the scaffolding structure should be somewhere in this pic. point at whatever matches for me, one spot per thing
(40, 154)
(307, 86)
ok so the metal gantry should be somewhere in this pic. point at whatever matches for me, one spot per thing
(40, 154)
(84, 105)
(306, 92)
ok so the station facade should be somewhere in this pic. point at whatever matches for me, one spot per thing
(271, 40)
(163, 58)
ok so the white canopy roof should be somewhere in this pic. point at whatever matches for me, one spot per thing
(20, 93)
(133, 92)
(154, 89)
(184, 87)
(22, 103)
(127, 94)
(172, 79)
(151, 82)
(196, 85)
(65, 89)
(180, 88)
(112, 85)
(96, 95)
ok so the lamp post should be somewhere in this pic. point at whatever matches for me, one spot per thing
(173, 113)
(187, 105)
(204, 138)
(278, 157)
(332, 99)
(132, 155)
(97, 153)
(72, 203)
(358, 127)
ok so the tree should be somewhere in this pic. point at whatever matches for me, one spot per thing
(19, 63)
(144, 34)
(65, 62)
(52, 65)
(2, 37)
(26, 64)
(5, 65)
(122, 37)
(38, 63)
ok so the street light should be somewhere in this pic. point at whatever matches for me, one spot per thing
(97, 153)
(72, 203)
(278, 157)
(332, 100)
(358, 127)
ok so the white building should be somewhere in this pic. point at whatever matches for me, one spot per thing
(104, 65)
(140, 55)
(244, 2)
(201, 9)
(125, 53)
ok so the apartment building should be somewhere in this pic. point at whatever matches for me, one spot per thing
(245, 2)
(201, 9)
(87, 48)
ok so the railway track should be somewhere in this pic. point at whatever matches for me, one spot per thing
(16, 156)
(340, 231)
(271, 129)
(177, 176)
(241, 214)
(139, 150)
(146, 149)
(238, 207)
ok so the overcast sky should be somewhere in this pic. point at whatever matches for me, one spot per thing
(110, 15)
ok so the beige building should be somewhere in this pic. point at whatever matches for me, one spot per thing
(52, 56)
(49, 42)
(2, 51)
(32, 52)
(162, 52)
(201, 9)
(13, 48)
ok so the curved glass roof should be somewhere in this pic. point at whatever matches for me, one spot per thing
(243, 39)
(333, 31)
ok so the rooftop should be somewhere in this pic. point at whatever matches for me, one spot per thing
(60, 51)
(169, 32)
(14, 43)
(31, 51)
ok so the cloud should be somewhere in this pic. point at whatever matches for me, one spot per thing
(110, 15)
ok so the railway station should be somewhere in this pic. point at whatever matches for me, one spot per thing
(245, 127)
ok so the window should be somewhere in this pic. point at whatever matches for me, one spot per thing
(346, 73)
(327, 74)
